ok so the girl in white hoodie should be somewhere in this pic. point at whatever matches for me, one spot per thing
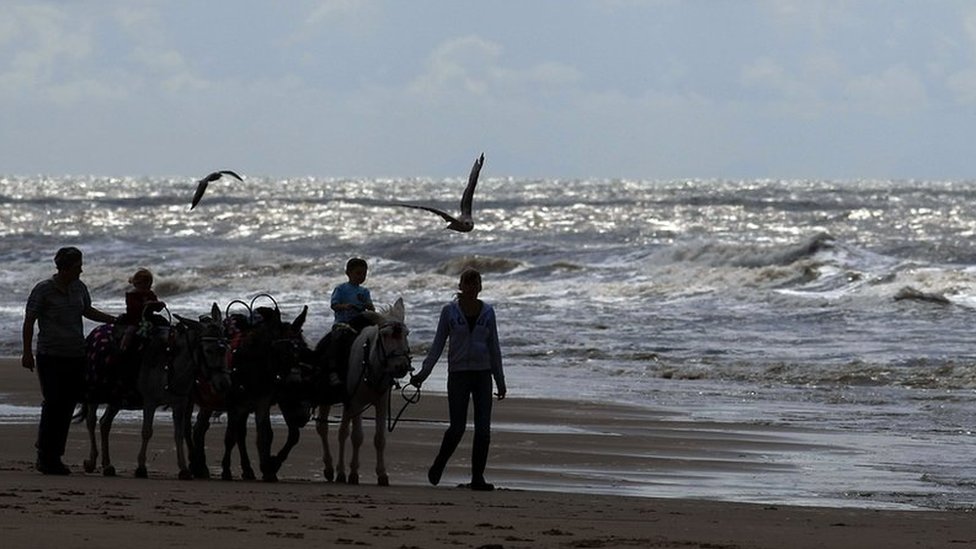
(473, 360)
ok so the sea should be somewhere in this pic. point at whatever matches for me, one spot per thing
(838, 314)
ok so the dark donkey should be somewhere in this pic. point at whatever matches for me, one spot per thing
(265, 352)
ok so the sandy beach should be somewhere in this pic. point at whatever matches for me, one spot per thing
(568, 475)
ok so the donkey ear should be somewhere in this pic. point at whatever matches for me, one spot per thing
(189, 322)
(300, 319)
(398, 309)
(215, 313)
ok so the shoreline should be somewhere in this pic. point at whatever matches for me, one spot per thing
(570, 474)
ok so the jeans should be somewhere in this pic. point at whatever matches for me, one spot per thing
(62, 380)
(463, 387)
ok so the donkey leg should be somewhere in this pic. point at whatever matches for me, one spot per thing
(230, 439)
(295, 416)
(180, 430)
(294, 434)
(233, 436)
(198, 453)
(322, 428)
(343, 436)
(91, 420)
(263, 437)
(247, 472)
(379, 441)
(357, 443)
(148, 415)
(105, 427)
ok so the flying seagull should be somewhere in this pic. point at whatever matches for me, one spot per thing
(202, 184)
(464, 222)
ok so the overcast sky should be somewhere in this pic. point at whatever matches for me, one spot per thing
(653, 89)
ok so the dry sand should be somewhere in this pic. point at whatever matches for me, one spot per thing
(560, 467)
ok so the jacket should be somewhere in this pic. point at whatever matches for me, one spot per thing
(469, 350)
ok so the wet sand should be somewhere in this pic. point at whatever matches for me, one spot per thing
(569, 475)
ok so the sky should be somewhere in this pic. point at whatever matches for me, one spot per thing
(637, 89)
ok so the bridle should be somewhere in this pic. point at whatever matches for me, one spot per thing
(203, 364)
(385, 356)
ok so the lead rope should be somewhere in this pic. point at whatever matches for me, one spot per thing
(391, 422)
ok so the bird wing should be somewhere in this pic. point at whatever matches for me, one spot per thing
(447, 217)
(230, 173)
(202, 184)
(468, 196)
(201, 188)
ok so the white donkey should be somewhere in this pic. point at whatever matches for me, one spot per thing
(379, 355)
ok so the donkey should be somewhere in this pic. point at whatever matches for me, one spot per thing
(379, 355)
(212, 403)
(189, 350)
(169, 375)
(261, 364)
(110, 379)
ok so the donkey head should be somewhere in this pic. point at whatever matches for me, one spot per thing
(392, 340)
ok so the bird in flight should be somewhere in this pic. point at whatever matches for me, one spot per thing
(463, 223)
(202, 184)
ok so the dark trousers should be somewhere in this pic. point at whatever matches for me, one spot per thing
(463, 387)
(62, 380)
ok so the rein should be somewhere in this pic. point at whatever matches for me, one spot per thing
(391, 422)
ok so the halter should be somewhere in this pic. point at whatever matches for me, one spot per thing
(195, 348)
(199, 358)
(385, 357)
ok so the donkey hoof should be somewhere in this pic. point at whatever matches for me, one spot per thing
(275, 463)
(269, 477)
(109, 471)
(141, 472)
(341, 477)
(247, 474)
(383, 481)
(185, 474)
(89, 466)
(353, 478)
(329, 475)
(225, 475)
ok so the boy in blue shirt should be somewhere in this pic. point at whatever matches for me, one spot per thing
(349, 301)
(351, 298)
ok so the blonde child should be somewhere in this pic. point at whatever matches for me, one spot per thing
(138, 300)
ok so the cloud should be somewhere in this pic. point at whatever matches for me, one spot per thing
(814, 15)
(473, 65)
(962, 83)
(318, 16)
(896, 90)
(55, 53)
(42, 47)
(769, 83)
(168, 68)
(325, 10)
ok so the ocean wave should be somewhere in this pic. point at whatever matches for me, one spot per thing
(737, 254)
(485, 264)
(914, 374)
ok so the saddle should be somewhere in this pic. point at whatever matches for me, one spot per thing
(242, 362)
(334, 350)
(111, 374)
